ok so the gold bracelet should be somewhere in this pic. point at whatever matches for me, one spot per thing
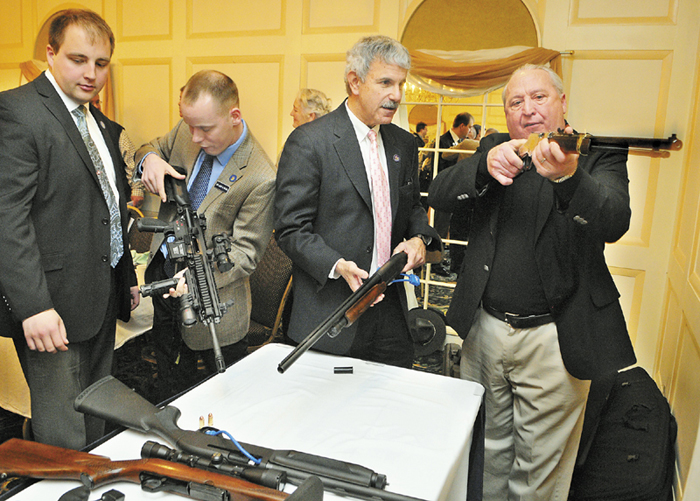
(564, 178)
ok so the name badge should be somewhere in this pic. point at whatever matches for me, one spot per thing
(221, 186)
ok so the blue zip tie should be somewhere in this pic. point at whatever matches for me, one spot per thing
(235, 442)
(411, 279)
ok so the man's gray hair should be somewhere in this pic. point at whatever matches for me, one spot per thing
(556, 79)
(368, 49)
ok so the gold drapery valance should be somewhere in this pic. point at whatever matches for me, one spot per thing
(462, 73)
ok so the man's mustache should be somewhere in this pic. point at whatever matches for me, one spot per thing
(390, 105)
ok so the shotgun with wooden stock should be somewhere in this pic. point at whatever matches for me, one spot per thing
(351, 309)
(39, 461)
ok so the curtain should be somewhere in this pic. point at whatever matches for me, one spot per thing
(474, 73)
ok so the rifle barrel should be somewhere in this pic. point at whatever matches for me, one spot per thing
(584, 143)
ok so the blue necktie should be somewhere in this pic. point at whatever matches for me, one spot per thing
(200, 185)
(115, 223)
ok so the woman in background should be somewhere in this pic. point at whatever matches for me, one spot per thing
(309, 105)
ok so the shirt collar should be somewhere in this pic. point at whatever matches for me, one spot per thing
(361, 129)
(70, 103)
(226, 155)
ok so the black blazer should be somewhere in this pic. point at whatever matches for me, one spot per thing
(323, 212)
(569, 245)
(54, 243)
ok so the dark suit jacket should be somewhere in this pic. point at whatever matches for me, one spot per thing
(54, 243)
(323, 212)
(446, 141)
(569, 246)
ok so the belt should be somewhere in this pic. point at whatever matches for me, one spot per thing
(519, 321)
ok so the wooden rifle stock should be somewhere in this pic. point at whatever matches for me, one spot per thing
(34, 460)
(585, 143)
(364, 303)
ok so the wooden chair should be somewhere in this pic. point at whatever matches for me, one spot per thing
(270, 285)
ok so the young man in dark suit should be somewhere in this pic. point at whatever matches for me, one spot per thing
(347, 198)
(66, 273)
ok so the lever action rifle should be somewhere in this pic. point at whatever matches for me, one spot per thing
(186, 244)
(350, 310)
(34, 460)
(585, 143)
(112, 400)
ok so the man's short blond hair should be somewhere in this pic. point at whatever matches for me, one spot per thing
(212, 83)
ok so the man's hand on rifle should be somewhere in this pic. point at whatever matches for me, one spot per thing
(354, 276)
(181, 287)
(154, 170)
(135, 296)
(415, 250)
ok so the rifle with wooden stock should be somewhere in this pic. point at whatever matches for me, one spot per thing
(39, 461)
(350, 310)
(585, 143)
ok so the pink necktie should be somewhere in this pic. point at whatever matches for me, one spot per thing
(381, 201)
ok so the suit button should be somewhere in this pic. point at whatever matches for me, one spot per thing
(105, 220)
(105, 259)
(368, 250)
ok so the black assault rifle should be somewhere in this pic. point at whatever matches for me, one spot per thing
(112, 400)
(186, 245)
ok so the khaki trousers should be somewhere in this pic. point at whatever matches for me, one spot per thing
(534, 409)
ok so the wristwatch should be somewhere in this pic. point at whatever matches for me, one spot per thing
(426, 240)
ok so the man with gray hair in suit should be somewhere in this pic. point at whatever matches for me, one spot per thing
(231, 181)
(347, 199)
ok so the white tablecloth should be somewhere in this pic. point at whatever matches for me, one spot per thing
(414, 427)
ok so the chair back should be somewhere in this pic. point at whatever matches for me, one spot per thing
(270, 284)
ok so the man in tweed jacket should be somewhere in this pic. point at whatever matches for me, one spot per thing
(238, 202)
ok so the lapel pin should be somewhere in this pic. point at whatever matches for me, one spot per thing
(103, 124)
(396, 158)
(233, 178)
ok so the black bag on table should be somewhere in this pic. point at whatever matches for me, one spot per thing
(627, 449)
